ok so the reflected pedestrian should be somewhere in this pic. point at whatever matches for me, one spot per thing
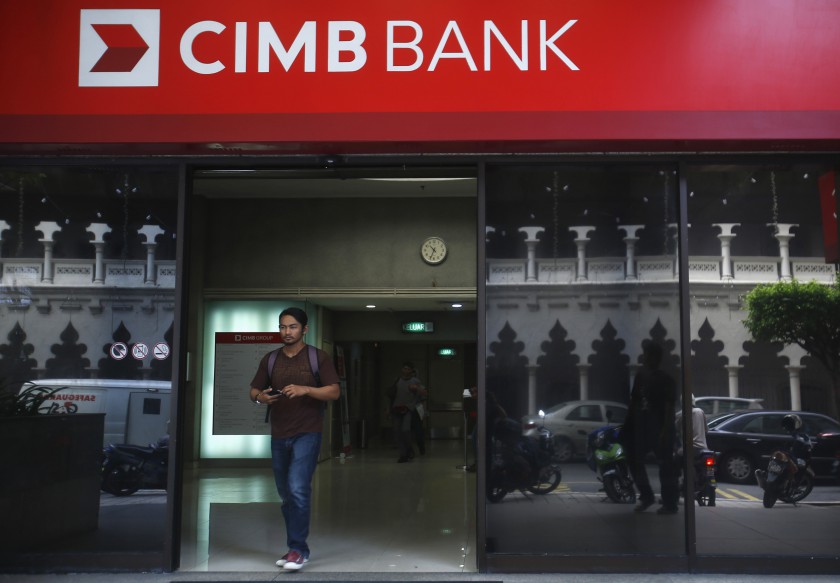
(650, 427)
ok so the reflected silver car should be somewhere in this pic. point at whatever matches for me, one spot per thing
(717, 405)
(571, 422)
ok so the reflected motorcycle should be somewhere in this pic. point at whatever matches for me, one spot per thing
(607, 458)
(705, 483)
(788, 476)
(519, 462)
(127, 468)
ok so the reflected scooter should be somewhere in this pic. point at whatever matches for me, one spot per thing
(705, 483)
(607, 458)
(519, 462)
(788, 476)
(127, 468)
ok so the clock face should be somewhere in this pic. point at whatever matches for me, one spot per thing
(433, 250)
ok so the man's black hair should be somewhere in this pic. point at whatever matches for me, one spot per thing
(295, 313)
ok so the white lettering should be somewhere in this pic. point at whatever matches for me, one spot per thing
(187, 47)
(241, 65)
(549, 43)
(346, 50)
(490, 27)
(336, 46)
(452, 28)
(411, 45)
(268, 40)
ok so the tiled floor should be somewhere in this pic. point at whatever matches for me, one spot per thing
(369, 514)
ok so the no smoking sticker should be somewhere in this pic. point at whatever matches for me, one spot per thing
(161, 351)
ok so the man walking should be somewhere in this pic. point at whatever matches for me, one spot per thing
(296, 394)
(407, 392)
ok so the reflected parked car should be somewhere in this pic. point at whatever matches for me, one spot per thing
(571, 422)
(718, 405)
(746, 439)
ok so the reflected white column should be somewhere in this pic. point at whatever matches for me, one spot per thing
(795, 387)
(583, 377)
(150, 232)
(783, 236)
(630, 242)
(98, 230)
(581, 239)
(531, 241)
(48, 229)
(532, 388)
(726, 236)
(733, 369)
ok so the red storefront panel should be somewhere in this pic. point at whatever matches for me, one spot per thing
(95, 71)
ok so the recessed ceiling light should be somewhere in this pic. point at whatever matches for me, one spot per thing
(370, 306)
(457, 305)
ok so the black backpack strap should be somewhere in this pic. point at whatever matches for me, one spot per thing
(313, 364)
(272, 358)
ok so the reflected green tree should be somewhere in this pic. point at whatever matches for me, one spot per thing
(805, 314)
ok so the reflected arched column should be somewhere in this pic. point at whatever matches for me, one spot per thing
(725, 237)
(150, 233)
(630, 251)
(783, 236)
(531, 241)
(583, 377)
(98, 230)
(48, 229)
(732, 370)
(795, 387)
(581, 239)
(532, 388)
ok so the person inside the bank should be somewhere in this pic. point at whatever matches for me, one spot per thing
(297, 398)
(404, 396)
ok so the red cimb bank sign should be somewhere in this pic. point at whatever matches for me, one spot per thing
(121, 47)
(436, 70)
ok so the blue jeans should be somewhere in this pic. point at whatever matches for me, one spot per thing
(293, 460)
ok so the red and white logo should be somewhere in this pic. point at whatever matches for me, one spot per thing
(119, 48)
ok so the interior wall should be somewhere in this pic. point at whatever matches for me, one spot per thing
(330, 243)
(373, 326)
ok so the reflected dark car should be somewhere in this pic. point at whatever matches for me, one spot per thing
(746, 439)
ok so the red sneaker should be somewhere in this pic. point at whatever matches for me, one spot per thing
(294, 561)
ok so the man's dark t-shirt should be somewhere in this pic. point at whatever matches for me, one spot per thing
(289, 417)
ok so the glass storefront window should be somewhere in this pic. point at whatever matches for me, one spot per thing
(87, 294)
(751, 226)
(582, 282)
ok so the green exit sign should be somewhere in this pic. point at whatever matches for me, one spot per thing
(418, 327)
(446, 352)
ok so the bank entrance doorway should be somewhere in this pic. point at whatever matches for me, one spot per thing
(347, 248)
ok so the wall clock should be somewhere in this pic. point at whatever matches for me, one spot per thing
(433, 250)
